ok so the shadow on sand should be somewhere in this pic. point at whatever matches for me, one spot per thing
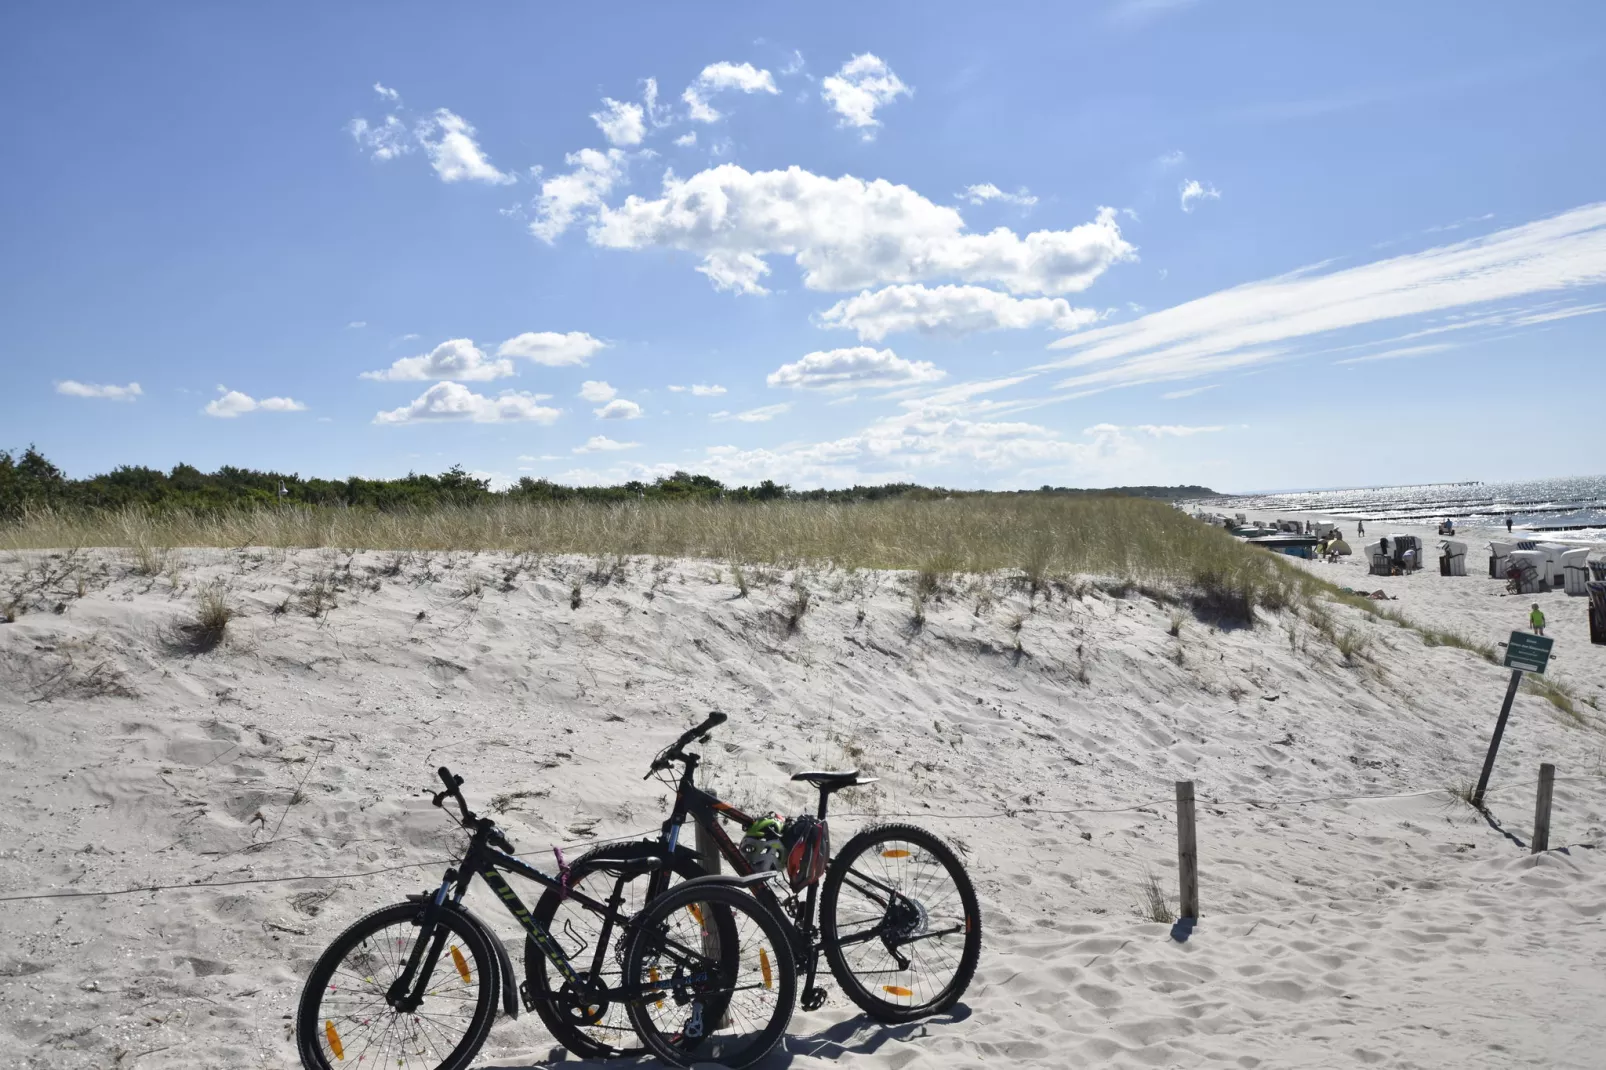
(859, 1035)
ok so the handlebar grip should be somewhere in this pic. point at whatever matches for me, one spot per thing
(452, 782)
(715, 719)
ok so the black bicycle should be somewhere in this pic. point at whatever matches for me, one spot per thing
(704, 974)
(898, 918)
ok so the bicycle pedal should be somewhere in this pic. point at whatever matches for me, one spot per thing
(524, 994)
(814, 998)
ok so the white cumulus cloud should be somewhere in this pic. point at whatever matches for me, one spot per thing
(950, 310)
(604, 444)
(551, 348)
(710, 391)
(621, 123)
(386, 140)
(453, 152)
(687, 140)
(580, 191)
(986, 191)
(454, 402)
(850, 369)
(231, 403)
(720, 77)
(456, 358)
(619, 409)
(1193, 191)
(387, 93)
(110, 391)
(846, 233)
(864, 84)
(597, 391)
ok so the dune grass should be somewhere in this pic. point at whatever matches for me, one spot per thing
(1146, 543)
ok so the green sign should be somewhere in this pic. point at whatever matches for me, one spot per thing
(1530, 653)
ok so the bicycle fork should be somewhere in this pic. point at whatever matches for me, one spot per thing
(405, 993)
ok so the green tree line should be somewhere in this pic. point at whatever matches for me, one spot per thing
(30, 480)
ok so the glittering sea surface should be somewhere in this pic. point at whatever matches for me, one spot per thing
(1575, 505)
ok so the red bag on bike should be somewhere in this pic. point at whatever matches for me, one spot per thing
(807, 843)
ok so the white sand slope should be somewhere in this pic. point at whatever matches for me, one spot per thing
(1397, 930)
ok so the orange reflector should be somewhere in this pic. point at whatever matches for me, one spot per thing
(461, 964)
(696, 912)
(896, 852)
(764, 964)
(896, 990)
(653, 973)
(334, 1040)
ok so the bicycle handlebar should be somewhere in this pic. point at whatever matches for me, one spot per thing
(674, 751)
(454, 790)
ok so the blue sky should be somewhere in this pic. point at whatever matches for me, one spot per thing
(1248, 245)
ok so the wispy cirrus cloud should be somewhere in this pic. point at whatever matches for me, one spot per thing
(760, 415)
(1400, 353)
(1280, 317)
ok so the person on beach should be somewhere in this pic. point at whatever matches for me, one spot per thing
(1508, 523)
(1360, 529)
(1536, 620)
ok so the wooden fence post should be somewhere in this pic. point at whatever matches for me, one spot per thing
(1187, 851)
(1547, 783)
(707, 849)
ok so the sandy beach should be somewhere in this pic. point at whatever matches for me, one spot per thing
(1354, 913)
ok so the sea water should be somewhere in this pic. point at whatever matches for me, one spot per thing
(1574, 505)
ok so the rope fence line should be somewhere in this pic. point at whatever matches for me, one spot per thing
(1010, 813)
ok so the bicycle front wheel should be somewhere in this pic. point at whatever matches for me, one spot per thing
(711, 976)
(900, 923)
(344, 1019)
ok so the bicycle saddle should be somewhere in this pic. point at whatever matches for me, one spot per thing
(831, 781)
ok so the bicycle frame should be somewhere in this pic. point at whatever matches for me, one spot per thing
(707, 811)
(481, 859)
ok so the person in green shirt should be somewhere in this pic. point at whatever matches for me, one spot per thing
(1536, 619)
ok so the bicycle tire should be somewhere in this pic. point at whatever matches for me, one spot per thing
(737, 969)
(538, 974)
(853, 985)
(322, 1003)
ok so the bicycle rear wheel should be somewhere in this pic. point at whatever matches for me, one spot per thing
(594, 1029)
(713, 995)
(900, 923)
(344, 1019)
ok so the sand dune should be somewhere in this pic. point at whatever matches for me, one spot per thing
(1383, 924)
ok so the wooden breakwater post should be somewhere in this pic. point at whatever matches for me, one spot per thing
(1547, 785)
(1187, 851)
